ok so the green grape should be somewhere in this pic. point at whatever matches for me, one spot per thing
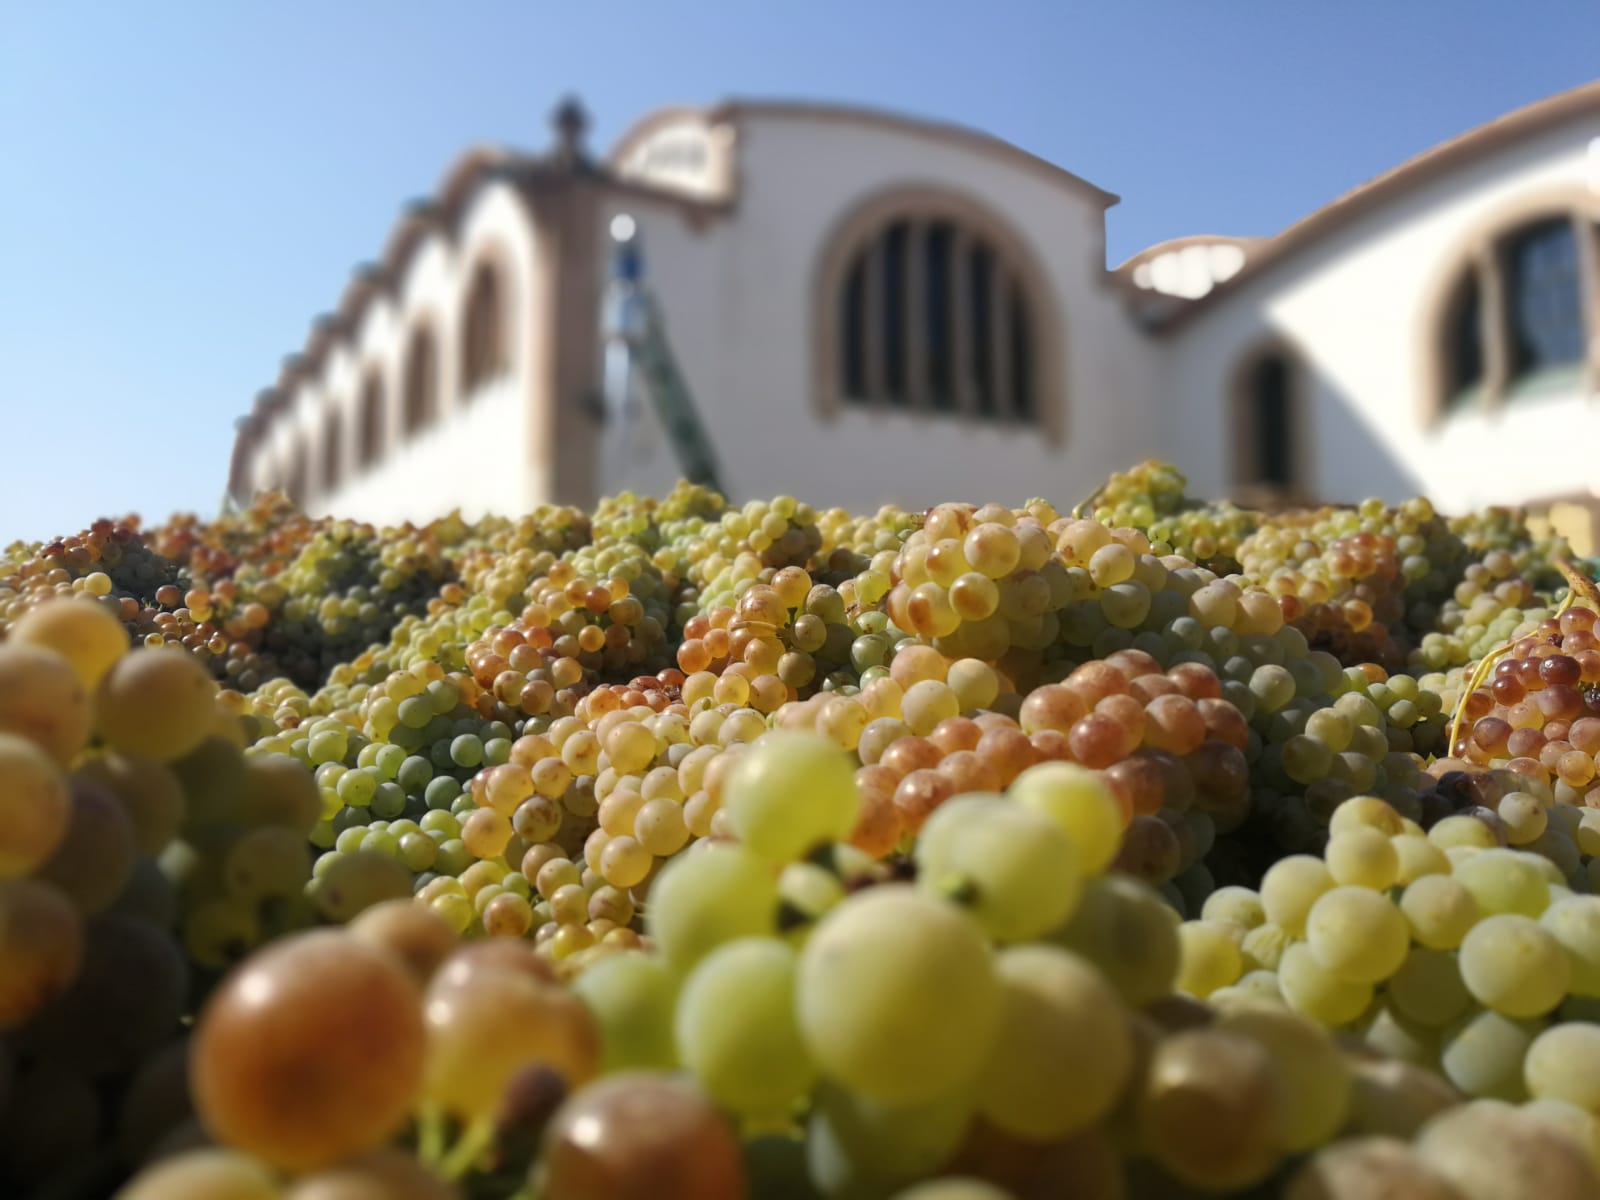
(1575, 923)
(1310, 988)
(1514, 965)
(1124, 927)
(709, 897)
(1505, 881)
(1563, 1063)
(355, 882)
(1064, 1051)
(856, 1145)
(159, 703)
(736, 1028)
(1439, 911)
(42, 699)
(633, 998)
(1483, 1055)
(1209, 957)
(1357, 934)
(267, 862)
(1081, 803)
(1237, 905)
(1428, 989)
(897, 997)
(1012, 867)
(35, 806)
(1289, 889)
(789, 793)
(1317, 1081)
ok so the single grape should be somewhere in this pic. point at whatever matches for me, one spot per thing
(897, 995)
(311, 1052)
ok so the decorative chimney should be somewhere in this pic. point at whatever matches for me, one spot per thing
(571, 125)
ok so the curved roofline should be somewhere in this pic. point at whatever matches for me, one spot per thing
(1182, 243)
(1414, 172)
(734, 110)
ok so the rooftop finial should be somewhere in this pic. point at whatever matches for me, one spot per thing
(571, 124)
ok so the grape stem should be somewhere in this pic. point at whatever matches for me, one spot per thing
(1579, 586)
(958, 889)
(469, 1147)
(430, 1135)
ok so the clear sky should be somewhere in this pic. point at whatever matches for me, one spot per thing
(183, 186)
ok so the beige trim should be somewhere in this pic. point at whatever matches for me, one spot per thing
(1422, 169)
(947, 133)
(1244, 447)
(860, 229)
(1483, 249)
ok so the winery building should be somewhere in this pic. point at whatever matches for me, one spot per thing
(858, 307)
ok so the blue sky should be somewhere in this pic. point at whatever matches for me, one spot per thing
(187, 185)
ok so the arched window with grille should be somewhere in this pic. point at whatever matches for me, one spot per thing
(928, 304)
(1520, 316)
(483, 332)
(332, 448)
(420, 395)
(371, 423)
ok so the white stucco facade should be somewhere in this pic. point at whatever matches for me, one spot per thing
(741, 212)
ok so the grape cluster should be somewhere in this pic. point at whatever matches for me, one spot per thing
(691, 849)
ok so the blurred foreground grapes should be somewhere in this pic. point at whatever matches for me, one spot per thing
(1154, 848)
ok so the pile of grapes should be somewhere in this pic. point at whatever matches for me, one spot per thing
(690, 851)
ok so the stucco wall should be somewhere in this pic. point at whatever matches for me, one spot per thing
(738, 306)
(1356, 307)
(479, 454)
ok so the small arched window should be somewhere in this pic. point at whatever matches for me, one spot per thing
(332, 448)
(933, 313)
(1517, 320)
(483, 334)
(294, 482)
(421, 393)
(372, 425)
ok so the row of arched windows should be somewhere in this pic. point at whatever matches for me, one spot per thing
(484, 356)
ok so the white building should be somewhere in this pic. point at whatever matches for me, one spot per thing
(871, 308)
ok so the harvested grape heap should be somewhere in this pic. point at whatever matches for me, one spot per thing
(687, 851)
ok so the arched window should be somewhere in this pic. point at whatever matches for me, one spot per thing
(1520, 319)
(1544, 303)
(933, 308)
(332, 448)
(483, 334)
(1269, 420)
(1464, 378)
(294, 483)
(421, 393)
(372, 424)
